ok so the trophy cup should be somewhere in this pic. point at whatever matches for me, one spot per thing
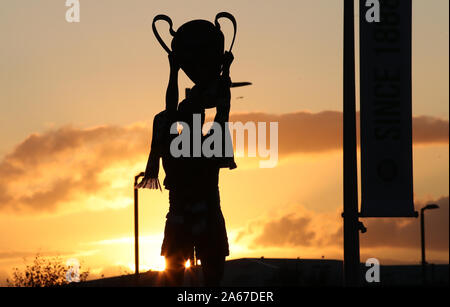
(198, 47)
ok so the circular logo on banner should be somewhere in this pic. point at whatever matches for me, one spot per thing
(387, 170)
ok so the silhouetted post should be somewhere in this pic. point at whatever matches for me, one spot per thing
(350, 215)
(422, 238)
(136, 225)
(422, 241)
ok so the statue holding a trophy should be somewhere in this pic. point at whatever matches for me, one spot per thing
(194, 221)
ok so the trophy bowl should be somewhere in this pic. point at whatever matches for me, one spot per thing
(197, 46)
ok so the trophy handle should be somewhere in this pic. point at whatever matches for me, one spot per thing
(172, 32)
(231, 18)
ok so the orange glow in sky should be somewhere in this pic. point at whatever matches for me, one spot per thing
(78, 101)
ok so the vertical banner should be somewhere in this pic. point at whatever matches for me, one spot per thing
(385, 112)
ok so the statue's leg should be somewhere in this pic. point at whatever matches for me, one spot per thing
(174, 273)
(214, 247)
(177, 243)
(213, 268)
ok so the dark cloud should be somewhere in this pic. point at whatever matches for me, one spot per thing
(428, 129)
(65, 164)
(288, 230)
(293, 229)
(304, 132)
(406, 232)
(317, 230)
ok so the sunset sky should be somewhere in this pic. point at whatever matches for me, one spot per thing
(77, 103)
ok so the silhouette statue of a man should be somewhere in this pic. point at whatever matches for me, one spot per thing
(195, 218)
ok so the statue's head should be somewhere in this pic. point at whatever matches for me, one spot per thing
(198, 47)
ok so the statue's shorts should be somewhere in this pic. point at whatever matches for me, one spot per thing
(195, 220)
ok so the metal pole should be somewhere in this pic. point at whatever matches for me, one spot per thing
(422, 241)
(350, 215)
(136, 226)
(422, 235)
